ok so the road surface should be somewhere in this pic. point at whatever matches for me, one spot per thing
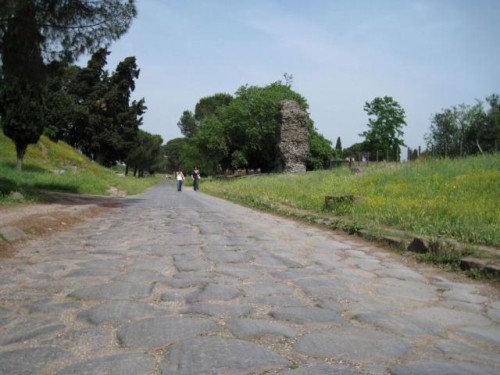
(184, 283)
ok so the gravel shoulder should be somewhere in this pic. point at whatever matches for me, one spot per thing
(28, 222)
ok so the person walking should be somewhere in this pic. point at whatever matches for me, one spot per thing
(196, 178)
(180, 177)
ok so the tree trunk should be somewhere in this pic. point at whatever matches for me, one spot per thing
(20, 152)
(479, 146)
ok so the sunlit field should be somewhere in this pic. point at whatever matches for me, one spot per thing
(456, 199)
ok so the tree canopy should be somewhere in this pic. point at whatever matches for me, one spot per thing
(34, 33)
(465, 129)
(241, 131)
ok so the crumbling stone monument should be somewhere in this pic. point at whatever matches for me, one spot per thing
(293, 137)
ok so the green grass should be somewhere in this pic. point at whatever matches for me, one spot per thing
(456, 199)
(58, 167)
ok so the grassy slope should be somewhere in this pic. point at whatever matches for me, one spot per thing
(57, 166)
(457, 199)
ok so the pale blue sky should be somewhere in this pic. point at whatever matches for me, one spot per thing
(427, 54)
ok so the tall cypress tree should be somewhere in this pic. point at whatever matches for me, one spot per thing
(23, 84)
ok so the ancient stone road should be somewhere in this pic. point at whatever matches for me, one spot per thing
(184, 283)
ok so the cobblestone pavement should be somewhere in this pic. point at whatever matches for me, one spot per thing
(183, 283)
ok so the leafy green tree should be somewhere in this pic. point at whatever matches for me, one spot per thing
(386, 123)
(208, 105)
(464, 130)
(251, 123)
(443, 137)
(321, 152)
(213, 143)
(484, 133)
(242, 131)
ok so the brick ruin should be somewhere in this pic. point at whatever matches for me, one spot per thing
(293, 138)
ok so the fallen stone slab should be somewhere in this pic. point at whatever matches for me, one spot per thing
(157, 332)
(216, 355)
(123, 364)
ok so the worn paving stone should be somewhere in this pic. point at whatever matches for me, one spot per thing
(215, 355)
(321, 370)
(493, 311)
(88, 272)
(119, 310)
(123, 364)
(467, 352)
(401, 273)
(398, 324)
(29, 361)
(140, 276)
(218, 310)
(85, 341)
(448, 317)
(229, 257)
(306, 315)
(440, 367)
(278, 300)
(489, 334)
(266, 289)
(51, 307)
(413, 292)
(157, 332)
(213, 292)
(27, 329)
(354, 344)
(242, 328)
(114, 291)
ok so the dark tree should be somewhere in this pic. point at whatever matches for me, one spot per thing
(338, 147)
(187, 124)
(23, 81)
(146, 154)
(57, 30)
